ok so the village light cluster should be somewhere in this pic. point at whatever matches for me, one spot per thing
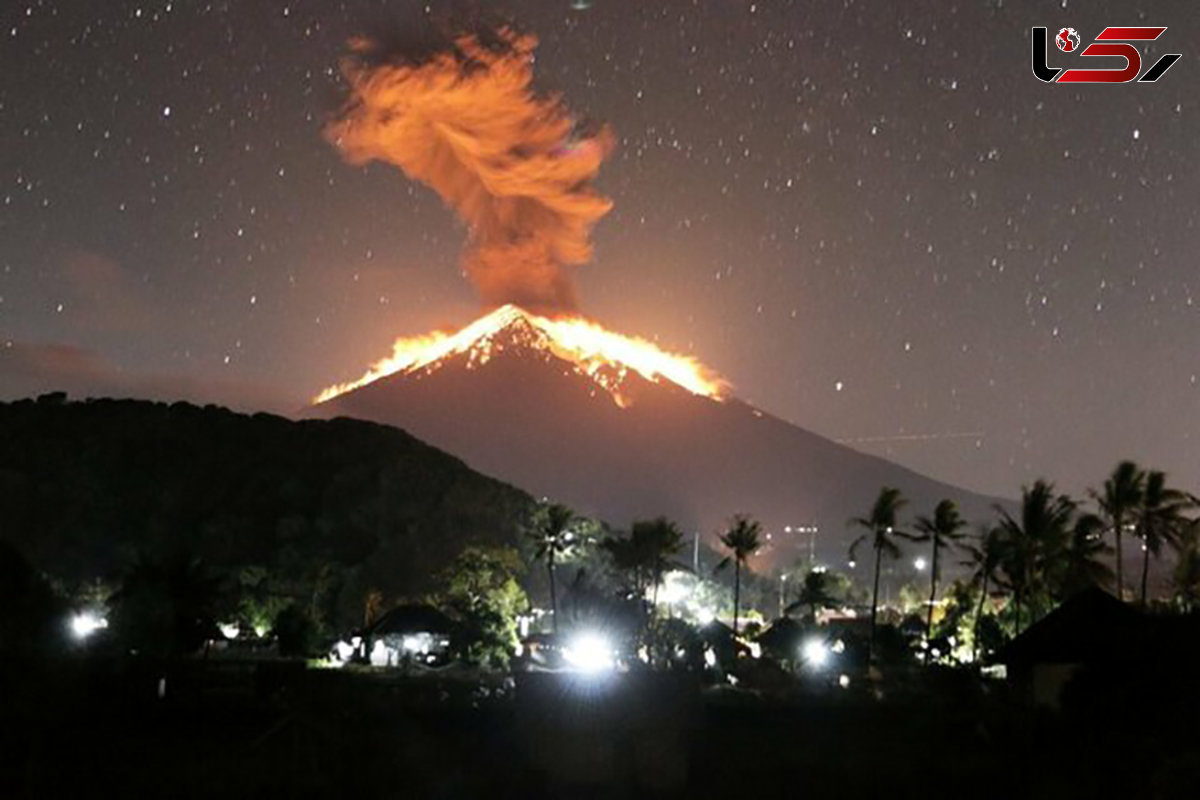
(683, 592)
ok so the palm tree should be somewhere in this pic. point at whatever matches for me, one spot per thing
(944, 529)
(1032, 543)
(1121, 496)
(647, 553)
(552, 535)
(815, 593)
(658, 540)
(1082, 565)
(1159, 520)
(985, 564)
(881, 527)
(741, 540)
(625, 557)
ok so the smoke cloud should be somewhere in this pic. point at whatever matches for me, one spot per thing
(465, 121)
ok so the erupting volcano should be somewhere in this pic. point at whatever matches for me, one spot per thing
(518, 399)
(533, 392)
(607, 358)
(517, 168)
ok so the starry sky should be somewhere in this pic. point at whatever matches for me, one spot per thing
(870, 217)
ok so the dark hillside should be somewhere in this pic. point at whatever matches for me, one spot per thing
(87, 487)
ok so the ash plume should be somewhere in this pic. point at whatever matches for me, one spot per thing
(463, 119)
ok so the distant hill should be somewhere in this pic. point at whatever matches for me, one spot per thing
(619, 446)
(87, 487)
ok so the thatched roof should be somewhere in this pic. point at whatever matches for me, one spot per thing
(1091, 627)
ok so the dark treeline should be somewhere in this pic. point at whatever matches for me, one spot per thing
(320, 512)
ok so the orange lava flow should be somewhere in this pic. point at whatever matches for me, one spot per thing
(604, 356)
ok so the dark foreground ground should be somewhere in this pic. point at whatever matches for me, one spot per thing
(282, 731)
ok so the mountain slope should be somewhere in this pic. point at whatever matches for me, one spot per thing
(643, 448)
(88, 487)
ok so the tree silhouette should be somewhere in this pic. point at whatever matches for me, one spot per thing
(1032, 542)
(1118, 501)
(165, 607)
(741, 540)
(816, 592)
(553, 533)
(32, 616)
(646, 554)
(1187, 570)
(984, 562)
(1082, 565)
(295, 632)
(943, 529)
(881, 528)
(1159, 520)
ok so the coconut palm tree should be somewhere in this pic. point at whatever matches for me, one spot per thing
(816, 592)
(1082, 565)
(741, 540)
(1032, 542)
(984, 562)
(1159, 520)
(646, 554)
(880, 525)
(1118, 500)
(552, 534)
(658, 540)
(943, 529)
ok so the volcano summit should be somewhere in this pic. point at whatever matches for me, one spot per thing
(618, 428)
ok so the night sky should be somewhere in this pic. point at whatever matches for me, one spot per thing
(870, 217)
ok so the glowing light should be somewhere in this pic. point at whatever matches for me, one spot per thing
(590, 652)
(815, 653)
(85, 623)
(229, 630)
(418, 644)
(603, 356)
(343, 651)
(705, 615)
(673, 590)
(844, 681)
(919, 563)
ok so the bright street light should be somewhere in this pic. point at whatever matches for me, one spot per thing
(919, 563)
(815, 652)
(590, 652)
